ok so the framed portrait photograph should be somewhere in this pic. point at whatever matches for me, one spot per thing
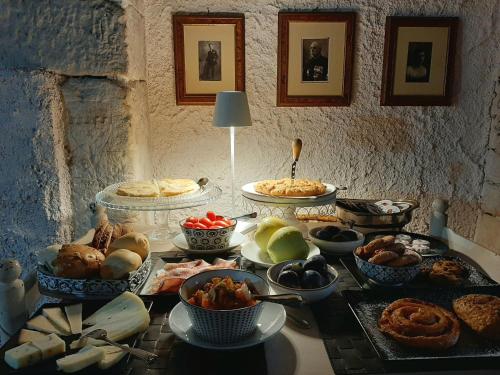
(419, 58)
(209, 53)
(315, 58)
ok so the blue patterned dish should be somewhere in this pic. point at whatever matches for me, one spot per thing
(222, 326)
(62, 287)
(387, 275)
(208, 239)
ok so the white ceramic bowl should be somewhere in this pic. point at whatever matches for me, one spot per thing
(308, 295)
(222, 326)
(387, 275)
(336, 248)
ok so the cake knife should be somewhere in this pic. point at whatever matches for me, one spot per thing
(296, 148)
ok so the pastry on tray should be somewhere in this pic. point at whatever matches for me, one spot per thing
(166, 187)
(420, 324)
(286, 187)
(445, 273)
(481, 313)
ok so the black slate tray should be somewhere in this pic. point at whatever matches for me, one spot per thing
(49, 366)
(475, 277)
(471, 351)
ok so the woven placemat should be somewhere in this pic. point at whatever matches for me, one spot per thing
(348, 349)
(178, 357)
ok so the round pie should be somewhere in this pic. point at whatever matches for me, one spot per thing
(420, 324)
(286, 187)
(170, 187)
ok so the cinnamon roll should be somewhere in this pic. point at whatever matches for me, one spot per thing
(420, 324)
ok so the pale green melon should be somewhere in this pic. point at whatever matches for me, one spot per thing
(287, 243)
(265, 230)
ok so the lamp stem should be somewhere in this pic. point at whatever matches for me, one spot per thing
(231, 135)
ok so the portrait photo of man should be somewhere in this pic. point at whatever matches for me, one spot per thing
(209, 53)
(419, 62)
(315, 60)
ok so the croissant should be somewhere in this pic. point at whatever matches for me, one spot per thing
(420, 324)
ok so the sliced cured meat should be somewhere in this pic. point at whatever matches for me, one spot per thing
(170, 278)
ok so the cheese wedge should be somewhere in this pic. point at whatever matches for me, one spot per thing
(84, 358)
(56, 316)
(125, 302)
(50, 345)
(30, 353)
(74, 315)
(42, 324)
(27, 335)
(23, 355)
(112, 356)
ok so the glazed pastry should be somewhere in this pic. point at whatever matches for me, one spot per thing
(396, 247)
(420, 324)
(102, 236)
(447, 272)
(383, 257)
(78, 262)
(136, 242)
(119, 264)
(481, 313)
(368, 250)
(407, 259)
(286, 187)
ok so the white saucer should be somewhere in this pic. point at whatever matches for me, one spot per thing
(252, 252)
(270, 322)
(236, 240)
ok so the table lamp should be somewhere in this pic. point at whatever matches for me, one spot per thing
(231, 111)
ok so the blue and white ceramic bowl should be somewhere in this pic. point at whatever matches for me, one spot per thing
(387, 275)
(208, 239)
(222, 326)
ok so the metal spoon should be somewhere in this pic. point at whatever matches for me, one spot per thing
(101, 334)
(202, 182)
(302, 323)
(289, 299)
(253, 215)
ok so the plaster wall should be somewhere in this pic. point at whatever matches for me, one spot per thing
(377, 152)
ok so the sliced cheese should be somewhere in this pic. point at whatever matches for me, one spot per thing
(56, 316)
(80, 343)
(112, 356)
(126, 301)
(27, 335)
(74, 315)
(23, 355)
(50, 345)
(42, 324)
(84, 358)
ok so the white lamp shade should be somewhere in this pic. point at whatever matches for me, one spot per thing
(231, 109)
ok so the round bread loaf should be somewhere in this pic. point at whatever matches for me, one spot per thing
(133, 241)
(78, 262)
(119, 264)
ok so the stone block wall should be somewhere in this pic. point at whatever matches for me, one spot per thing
(73, 114)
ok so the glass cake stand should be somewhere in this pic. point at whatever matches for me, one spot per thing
(160, 206)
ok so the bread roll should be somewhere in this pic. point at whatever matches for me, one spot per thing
(78, 262)
(119, 264)
(136, 242)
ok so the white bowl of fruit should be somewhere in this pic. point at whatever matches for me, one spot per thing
(212, 232)
(313, 278)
